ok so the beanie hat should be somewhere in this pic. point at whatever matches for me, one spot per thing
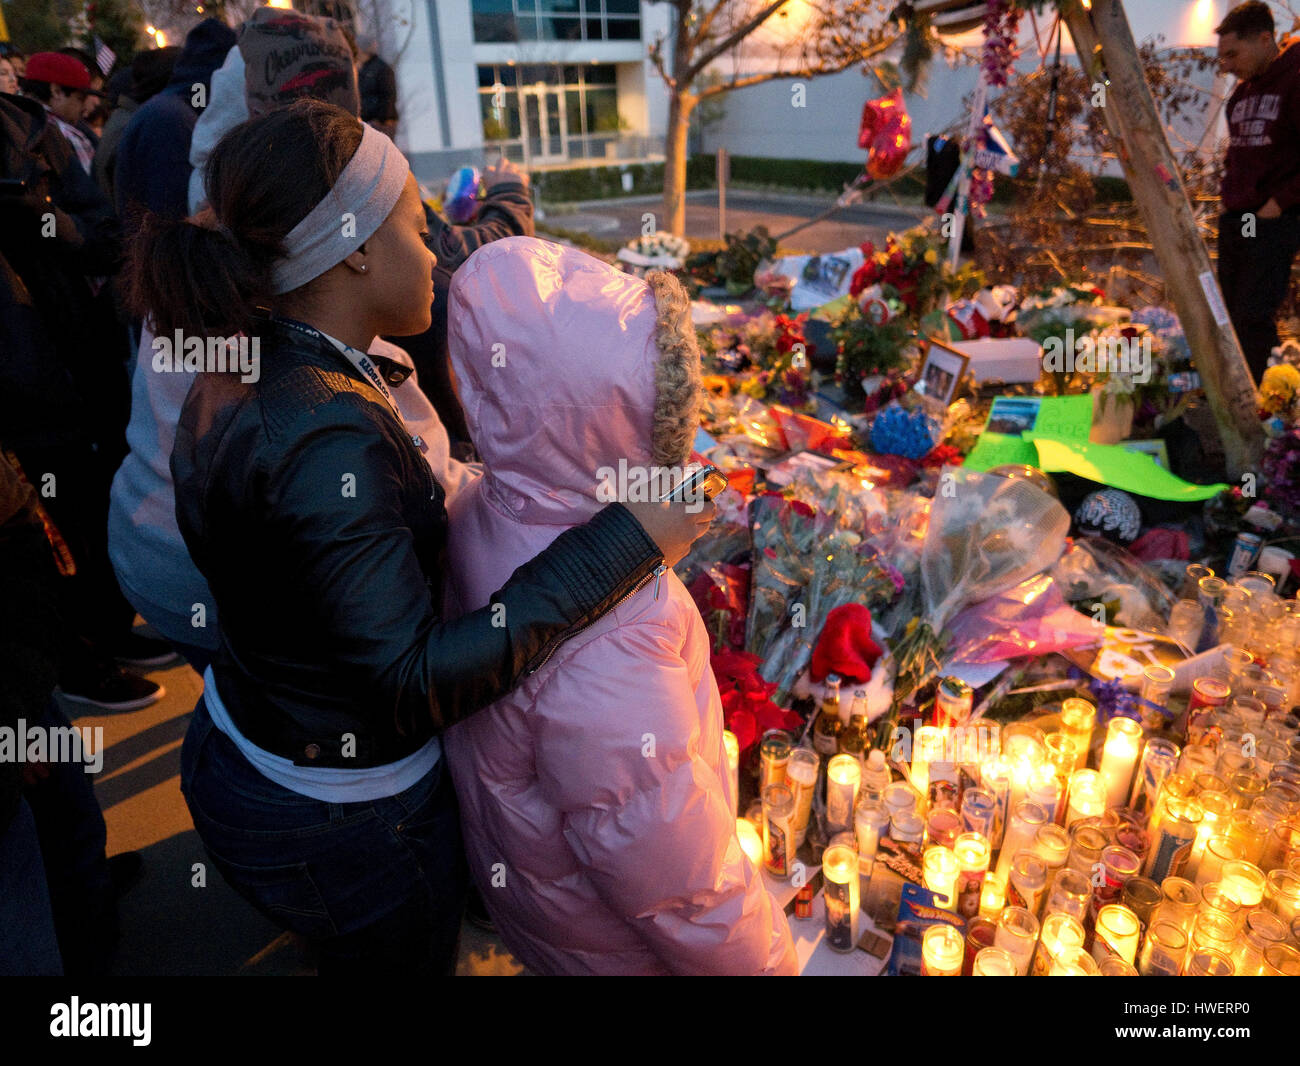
(288, 55)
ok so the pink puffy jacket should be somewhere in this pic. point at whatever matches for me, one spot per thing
(595, 799)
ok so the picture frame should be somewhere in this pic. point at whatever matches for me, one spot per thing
(941, 373)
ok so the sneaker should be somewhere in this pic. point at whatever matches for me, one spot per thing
(144, 653)
(115, 690)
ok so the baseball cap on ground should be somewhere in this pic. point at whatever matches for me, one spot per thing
(288, 55)
(59, 69)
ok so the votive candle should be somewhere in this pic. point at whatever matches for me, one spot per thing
(1119, 759)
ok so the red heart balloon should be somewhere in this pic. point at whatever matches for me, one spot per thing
(886, 133)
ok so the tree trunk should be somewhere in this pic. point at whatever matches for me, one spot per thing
(680, 106)
(1189, 278)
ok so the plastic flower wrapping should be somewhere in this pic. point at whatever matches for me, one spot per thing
(986, 534)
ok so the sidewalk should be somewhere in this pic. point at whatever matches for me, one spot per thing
(182, 918)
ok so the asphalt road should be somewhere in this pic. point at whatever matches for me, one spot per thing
(847, 228)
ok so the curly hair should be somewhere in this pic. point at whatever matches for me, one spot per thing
(677, 374)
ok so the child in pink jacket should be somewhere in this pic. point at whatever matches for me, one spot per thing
(595, 798)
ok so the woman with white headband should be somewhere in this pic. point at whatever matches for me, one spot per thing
(313, 766)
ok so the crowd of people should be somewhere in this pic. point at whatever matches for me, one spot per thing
(384, 549)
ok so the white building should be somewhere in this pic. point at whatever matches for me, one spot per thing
(548, 82)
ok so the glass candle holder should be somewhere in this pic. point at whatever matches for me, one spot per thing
(778, 830)
(1172, 841)
(1191, 583)
(993, 897)
(942, 949)
(995, 777)
(1209, 782)
(1248, 834)
(1078, 717)
(1215, 900)
(801, 772)
(1244, 882)
(942, 827)
(870, 822)
(994, 962)
(1118, 933)
(843, 776)
(1186, 620)
(773, 757)
(1063, 756)
(1119, 759)
(1282, 845)
(1245, 788)
(1280, 960)
(1060, 931)
(900, 796)
(1163, 950)
(980, 932)
(972, 853)
(1216, 809)
(1282, 894)
(1159, 760)
(1218, 850)
(1208, 962)
(1142, 896)
(1025, 819)
(1074, 962)
(1087, 797)
(1118, 864)
(978, 812)
(939, 873)
(1127, 829)
(1027, 881)
(1230, 761)
(1045, 789)
(1213, 929)
(1180, 903)
(1052, 845)
(907, 827)
(1116, 967)
(1262, 929)
(1087, 842)
(1017, 934)
(1070, 893)
(841, 895)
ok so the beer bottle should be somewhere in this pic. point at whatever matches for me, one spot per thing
(829, 725)
(853, 738)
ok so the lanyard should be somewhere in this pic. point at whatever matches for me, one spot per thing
(367, 368)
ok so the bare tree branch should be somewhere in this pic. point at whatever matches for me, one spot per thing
(734, 38)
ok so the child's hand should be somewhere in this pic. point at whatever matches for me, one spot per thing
(504, 172)
(673, 526)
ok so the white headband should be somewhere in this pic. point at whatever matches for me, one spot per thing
(352, 210)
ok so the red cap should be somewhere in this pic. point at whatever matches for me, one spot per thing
(58, 69)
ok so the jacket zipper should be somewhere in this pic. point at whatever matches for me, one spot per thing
(657, 573)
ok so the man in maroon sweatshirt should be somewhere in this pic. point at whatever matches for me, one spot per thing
(1259, 231)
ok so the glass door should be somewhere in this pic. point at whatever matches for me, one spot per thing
(545, 125)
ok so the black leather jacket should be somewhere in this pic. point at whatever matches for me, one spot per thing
(322, 532)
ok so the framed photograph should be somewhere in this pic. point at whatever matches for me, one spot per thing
(941, 373)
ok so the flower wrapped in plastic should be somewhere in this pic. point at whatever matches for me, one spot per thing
(784, 535)
(986, 534)
(721, 594)
(747, 707)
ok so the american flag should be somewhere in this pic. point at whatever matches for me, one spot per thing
(104, 57)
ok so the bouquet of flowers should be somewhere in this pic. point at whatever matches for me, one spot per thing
(747, 707)
(986, 534)
(913, 269)
(665, 250)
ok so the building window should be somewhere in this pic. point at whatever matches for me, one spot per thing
(497, 21)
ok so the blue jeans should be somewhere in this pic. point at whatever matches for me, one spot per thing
(28, 946)
(378, 888)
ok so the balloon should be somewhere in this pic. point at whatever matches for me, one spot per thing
(886, 133)
(461, 201)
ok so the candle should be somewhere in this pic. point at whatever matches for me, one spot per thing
(994, 962)
(773, 757)
(1025, 820)
(993, 897)
(939, 868)
(1119, 759)
(841, 895)
(1045, 790)
(750, 842)
(1118, 932)
(1163, 950)
(1159, 760)
(1262, 929)
(927, 746)
(843, 776)
(732, 746)
(1244, 882)
(942, 949)
(1283, 893)
(1060, 931)
(1077, 719)
(870, 822)
(995, 777)
(1216, 808)
(1070, 893)
(778, 832)
(1017, 934)
(1074, 962)
(972, 852)
(801, 780)
(1172, 841)
(1087, 796)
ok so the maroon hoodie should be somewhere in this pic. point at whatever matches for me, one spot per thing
(1263, 158)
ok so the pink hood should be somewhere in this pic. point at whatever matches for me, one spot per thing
(597, 807)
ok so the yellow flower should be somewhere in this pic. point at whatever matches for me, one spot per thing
(931, 256)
